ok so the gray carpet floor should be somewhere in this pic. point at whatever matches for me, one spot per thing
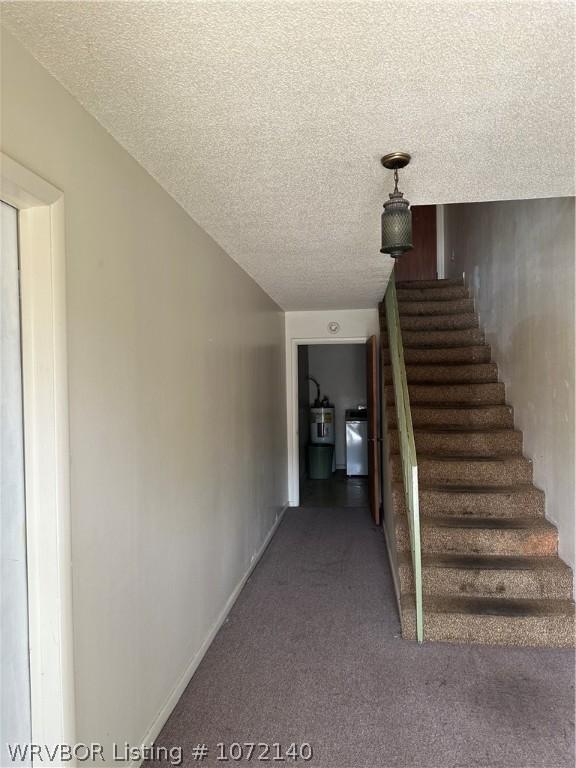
(311, 652)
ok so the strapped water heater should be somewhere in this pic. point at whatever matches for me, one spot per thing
(322, 425)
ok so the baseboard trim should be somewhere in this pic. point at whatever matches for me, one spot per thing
(180, 686)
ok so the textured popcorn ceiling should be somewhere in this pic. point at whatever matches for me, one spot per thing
(267, 120)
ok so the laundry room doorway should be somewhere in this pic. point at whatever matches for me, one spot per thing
(334, 425)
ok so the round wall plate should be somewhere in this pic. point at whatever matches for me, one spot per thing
(395, 160)
(333, 327)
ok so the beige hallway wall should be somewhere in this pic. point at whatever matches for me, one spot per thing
(177, 412)
(518, 258)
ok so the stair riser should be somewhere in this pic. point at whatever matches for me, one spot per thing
(447, 355)
(440, 339)
(427, 308)
(536, 584)
(539, 631)
(481, 541)
(438, 503)
(481, 373)
(497, 417)
(473, 394)
(479, 473)
(505, 443)
(454, 322)
(432, 294)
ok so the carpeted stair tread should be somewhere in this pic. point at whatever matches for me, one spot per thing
(440, 283)
(461, 394)
(488, 575)
(495, 606)
(487, 562)
(464, 431)
(489, 501)
(477, 489)
(430, 308)
(478, 353)
(477, 460)
(491, 523)
(439, 293)
(468, 470)
(471, 416)
(500, 442)
(451, 321)
(493, 620)
(481, 536)
(461, 373)
(465, 337)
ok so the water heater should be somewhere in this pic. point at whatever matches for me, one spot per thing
(322, 425)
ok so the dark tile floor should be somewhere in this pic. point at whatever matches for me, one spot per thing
(339, 491)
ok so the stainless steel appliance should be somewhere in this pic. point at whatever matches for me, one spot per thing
(356, 442)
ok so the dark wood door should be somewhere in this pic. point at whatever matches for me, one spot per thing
(373, 442)
(420, 262)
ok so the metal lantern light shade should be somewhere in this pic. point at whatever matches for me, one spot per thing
(397, 216)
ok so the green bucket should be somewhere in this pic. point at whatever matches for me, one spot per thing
(320, 459)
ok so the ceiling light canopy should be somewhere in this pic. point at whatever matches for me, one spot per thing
(397, 216)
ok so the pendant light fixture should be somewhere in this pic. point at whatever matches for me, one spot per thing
(397, 216)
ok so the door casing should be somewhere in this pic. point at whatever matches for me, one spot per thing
(46, 449)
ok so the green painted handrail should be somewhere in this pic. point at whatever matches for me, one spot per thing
(407, 447)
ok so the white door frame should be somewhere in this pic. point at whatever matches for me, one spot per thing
(293, 442)
(46, 449)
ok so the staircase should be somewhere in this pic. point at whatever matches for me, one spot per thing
(490, 568)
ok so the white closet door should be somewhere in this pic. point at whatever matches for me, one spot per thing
(14, 659)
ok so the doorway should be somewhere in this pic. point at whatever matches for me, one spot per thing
(43, 631)
(421, 262)
(15, 718)
(332, 425)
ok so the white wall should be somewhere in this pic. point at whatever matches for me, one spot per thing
(519, 258)
(341, 372)
(177, 419)
(309, 327)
